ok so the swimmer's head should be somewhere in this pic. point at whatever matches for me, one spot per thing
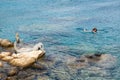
(94, 30)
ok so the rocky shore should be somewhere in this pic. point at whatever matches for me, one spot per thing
(30, 63)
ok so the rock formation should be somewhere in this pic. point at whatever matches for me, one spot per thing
(6, 45)
(23, 58)
(26, 55)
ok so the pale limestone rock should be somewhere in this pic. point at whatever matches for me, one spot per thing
(7, 58)
(6, 43)
(22, 62)
(4, 54)
(24, 59)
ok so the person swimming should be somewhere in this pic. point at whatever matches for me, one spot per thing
(94, 30)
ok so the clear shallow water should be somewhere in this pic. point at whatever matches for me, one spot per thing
(59, 25)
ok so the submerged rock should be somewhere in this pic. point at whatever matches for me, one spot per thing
(101, 60)
(1, 64)
(78, 63)
(107, 61)
(12, 78)
(2, 76)
(38, 66)
(12, 72)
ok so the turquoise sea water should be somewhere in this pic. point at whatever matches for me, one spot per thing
(59, 25)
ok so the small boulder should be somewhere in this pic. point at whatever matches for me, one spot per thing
(38, 66)
(6, 43)
(12, 72)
